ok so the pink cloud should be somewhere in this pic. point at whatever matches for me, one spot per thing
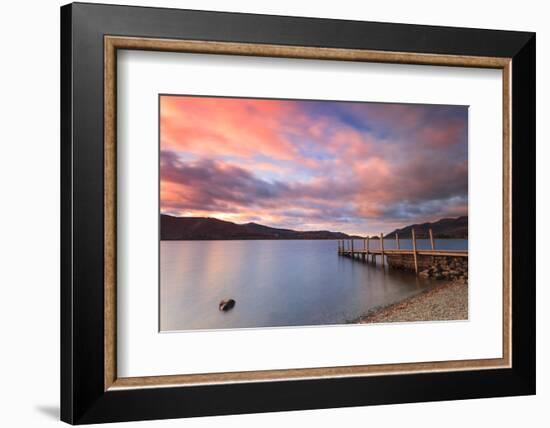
(230, 126)
(441, 137)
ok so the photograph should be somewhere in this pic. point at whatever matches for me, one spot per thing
(291, 212)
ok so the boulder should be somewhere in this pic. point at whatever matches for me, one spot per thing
(226, 304)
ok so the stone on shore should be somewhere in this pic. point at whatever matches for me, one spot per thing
(226, 304)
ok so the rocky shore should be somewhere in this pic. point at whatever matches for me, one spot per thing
(436, 267)
(448, 301)
(449, 268)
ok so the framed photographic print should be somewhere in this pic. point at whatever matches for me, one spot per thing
(265, 213)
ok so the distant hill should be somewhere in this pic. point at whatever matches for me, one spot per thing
(207, 228)
(456, 228)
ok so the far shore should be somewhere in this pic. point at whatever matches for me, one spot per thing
(445, 302)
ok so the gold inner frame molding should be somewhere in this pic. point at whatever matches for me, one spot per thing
(113, 43)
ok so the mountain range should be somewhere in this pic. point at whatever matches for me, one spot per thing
(207, 228)
(456, 228)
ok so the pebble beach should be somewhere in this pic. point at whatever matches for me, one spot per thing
(448, 301)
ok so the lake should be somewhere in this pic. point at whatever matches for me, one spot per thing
(277, 283)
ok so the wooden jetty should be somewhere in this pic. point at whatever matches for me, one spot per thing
(367, 254)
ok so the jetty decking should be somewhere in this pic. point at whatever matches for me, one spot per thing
(348, 249)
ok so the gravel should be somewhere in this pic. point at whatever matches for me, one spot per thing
(448, 301)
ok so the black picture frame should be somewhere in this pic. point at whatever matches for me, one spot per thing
(83, 396)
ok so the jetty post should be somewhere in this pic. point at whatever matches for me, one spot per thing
(382, 249)
(432, 242)
(397, 240)
(414, 252)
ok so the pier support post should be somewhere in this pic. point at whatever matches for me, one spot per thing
(352, 254)
(382, 249)
(414, 252)
(432, 239)
(397, 240)
(432, 243)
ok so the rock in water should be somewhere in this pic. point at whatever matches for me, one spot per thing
(226, 304)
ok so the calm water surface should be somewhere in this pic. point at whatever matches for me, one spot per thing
(276, 283)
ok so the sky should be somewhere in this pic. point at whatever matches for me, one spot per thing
(353, 167)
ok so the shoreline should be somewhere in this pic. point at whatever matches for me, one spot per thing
(445, 302)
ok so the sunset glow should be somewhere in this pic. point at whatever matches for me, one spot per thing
(361, 168)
